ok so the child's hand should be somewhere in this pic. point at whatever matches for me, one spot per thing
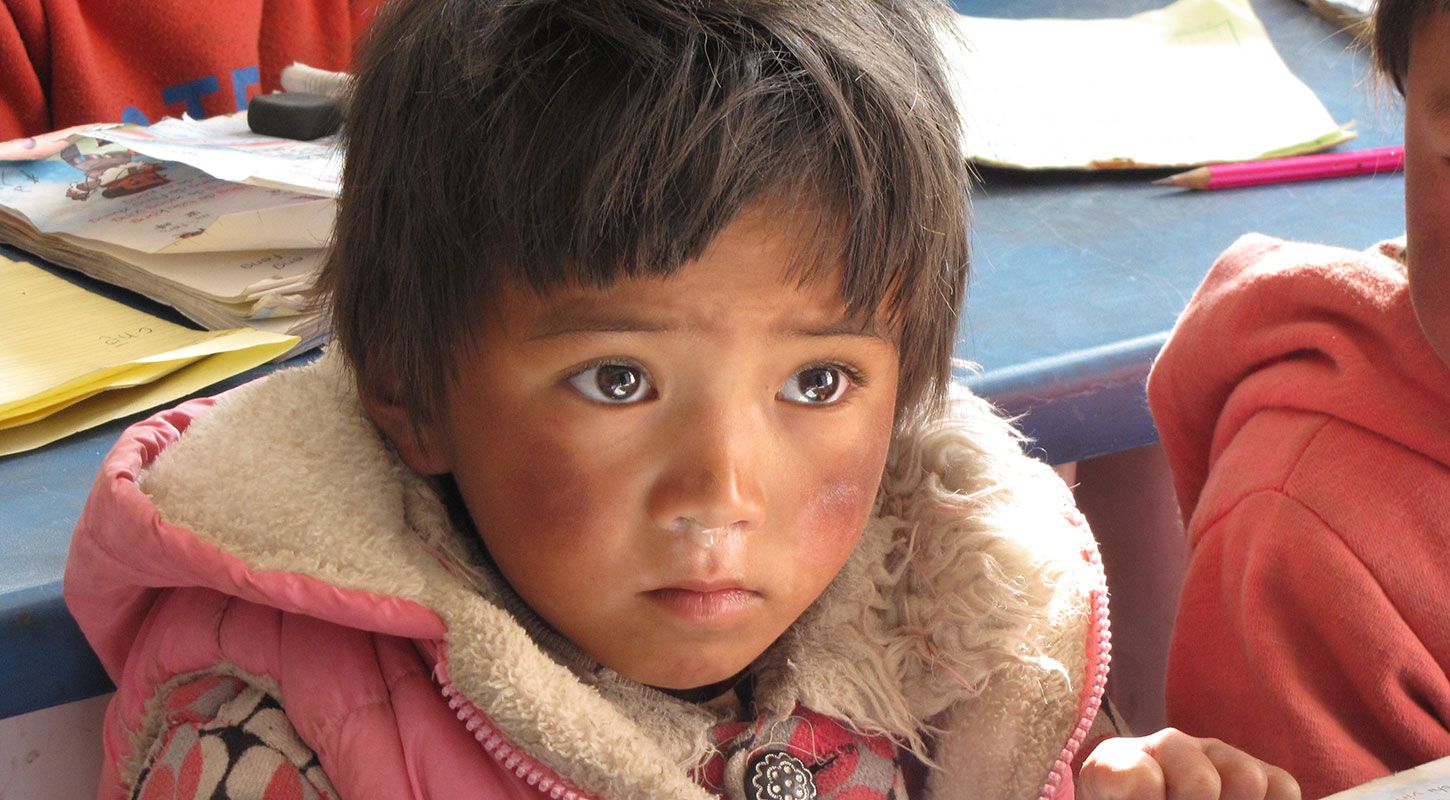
(1172, 764)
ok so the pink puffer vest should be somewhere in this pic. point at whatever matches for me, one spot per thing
(271, 534)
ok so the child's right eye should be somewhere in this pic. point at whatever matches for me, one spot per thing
(613, 383)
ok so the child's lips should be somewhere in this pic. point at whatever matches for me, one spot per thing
(706, 603)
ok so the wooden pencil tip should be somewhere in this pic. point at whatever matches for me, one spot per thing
(1168, 181)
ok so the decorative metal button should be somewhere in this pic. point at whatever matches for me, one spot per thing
(781, 776)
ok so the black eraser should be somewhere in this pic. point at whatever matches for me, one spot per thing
(294, 115)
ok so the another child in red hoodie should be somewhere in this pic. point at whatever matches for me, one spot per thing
(68, 62)
(1304, 403)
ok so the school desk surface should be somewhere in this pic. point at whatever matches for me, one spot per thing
(1077, 279)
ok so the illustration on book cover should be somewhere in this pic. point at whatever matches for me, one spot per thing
(111, 168)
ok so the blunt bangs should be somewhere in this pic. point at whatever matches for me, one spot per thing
(541, 144)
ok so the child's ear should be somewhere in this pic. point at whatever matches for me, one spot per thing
(417, 442)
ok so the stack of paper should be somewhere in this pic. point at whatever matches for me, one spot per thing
(71, 359)
(225, 253)
(1194, 83)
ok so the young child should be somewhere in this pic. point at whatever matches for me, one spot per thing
(631, 473)
(1303, 403)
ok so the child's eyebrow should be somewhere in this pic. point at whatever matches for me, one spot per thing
(565, 321)
(847, 327)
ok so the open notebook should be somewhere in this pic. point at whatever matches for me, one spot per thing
(225, 253)
(1196, 82)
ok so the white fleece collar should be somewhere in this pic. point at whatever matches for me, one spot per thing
(959, 624)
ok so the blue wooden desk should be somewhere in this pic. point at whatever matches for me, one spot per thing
(1078, 278)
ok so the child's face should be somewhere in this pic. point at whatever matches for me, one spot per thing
(595, 432)
(1427, 177)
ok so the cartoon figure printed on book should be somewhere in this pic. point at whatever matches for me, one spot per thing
(113, 169)
(634, 469)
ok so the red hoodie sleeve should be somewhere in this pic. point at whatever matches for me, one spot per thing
(1302, 637)
(68, 62)
(24, 57)
(1303, 416)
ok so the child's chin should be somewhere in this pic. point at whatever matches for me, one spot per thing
(689, 672)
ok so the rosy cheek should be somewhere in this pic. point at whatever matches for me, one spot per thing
(556, 487)
(841, 498)
(531, 486)
(836, 512)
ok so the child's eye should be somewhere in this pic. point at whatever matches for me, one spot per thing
(818, 385)
(613, 383)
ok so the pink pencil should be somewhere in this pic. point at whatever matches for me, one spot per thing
(1292, 168)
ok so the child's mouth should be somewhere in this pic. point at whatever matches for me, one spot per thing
(717, 606)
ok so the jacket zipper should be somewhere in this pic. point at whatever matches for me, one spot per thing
(1102, 640)
(499, 747)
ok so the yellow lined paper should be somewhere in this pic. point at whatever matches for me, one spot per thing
(1195, 82)
(71, 359)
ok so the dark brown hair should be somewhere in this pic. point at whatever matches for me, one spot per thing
(1394, 22)
(539, 143)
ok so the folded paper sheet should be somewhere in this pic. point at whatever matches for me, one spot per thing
(1193, 83)
(225, 148)
(71, 360)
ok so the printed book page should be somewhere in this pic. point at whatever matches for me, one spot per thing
(71, 359)
(225, 148)
(1193, 83)
(262, 290)
(1430, 781)
(268, 291)
(103, 191)
(234, 277)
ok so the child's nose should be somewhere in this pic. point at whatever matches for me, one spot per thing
(712, 474)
